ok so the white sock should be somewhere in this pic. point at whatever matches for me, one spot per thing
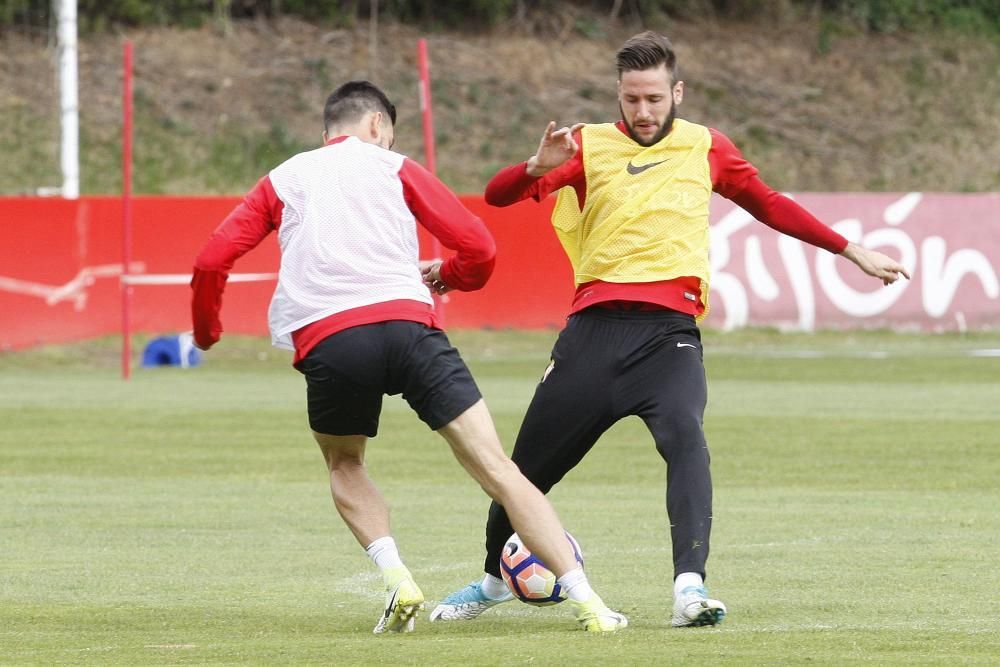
(686, 579)
(493, 587)
(576, 585)
(384, 553)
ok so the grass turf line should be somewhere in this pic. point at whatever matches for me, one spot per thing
(183, 517)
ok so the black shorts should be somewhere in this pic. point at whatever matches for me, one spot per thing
(348, 373)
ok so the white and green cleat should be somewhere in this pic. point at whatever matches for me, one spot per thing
(693, 608)
(595, 616)
(402, 602)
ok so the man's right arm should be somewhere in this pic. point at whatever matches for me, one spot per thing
(557, 163)
(243, 229)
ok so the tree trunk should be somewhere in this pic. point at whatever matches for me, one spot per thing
(373, 42)
(223, 16)
(617, 7)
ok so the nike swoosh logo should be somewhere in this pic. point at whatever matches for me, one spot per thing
(687, 345)
(633, 169)
(392, 604)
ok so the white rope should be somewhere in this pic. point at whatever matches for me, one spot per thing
(185, 278)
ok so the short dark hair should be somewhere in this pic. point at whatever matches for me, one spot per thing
(646, 51)
(353, 100)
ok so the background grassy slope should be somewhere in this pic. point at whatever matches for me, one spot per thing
(817, 106)
(183, 518)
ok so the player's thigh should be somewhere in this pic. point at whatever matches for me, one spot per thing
(672, 392)
(430, 374)
(571, 407)
(344, 377)
(677, 377)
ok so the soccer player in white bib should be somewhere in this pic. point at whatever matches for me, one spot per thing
(354, 304)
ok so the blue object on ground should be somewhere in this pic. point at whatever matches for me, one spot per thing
(171, 351)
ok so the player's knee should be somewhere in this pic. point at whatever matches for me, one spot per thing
(505, 482)
(496, 477)
(679, 435)
(340, 451)
(344, 463)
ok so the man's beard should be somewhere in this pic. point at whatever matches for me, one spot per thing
(668, 123)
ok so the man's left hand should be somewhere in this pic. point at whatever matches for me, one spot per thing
(875, 263)
(430, 271)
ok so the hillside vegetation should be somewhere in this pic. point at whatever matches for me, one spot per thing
(816, 105)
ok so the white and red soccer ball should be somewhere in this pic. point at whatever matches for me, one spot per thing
(526, 575)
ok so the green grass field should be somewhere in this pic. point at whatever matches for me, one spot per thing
(184, 517)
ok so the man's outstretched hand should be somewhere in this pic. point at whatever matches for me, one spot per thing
(556, 147)
(875, 263)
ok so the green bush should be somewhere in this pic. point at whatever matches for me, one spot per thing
(910, 15)
(872, 15)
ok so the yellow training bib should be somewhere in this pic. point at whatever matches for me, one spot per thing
(645, 217)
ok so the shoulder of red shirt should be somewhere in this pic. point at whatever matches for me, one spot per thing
(432, 204)
(732, 175)
(729, 172)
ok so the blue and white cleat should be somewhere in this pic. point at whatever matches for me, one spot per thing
(693, 608)
(466, 604)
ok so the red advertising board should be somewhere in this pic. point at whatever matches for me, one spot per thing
(950, 244)
(60, 267)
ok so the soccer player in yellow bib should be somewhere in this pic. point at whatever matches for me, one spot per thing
(632, 216)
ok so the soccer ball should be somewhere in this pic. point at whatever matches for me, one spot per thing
(526, 575)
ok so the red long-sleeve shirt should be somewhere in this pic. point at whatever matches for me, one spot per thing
(732, 176)
(433, 205)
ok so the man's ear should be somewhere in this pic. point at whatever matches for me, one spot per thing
(678, 92)
(375, 124)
